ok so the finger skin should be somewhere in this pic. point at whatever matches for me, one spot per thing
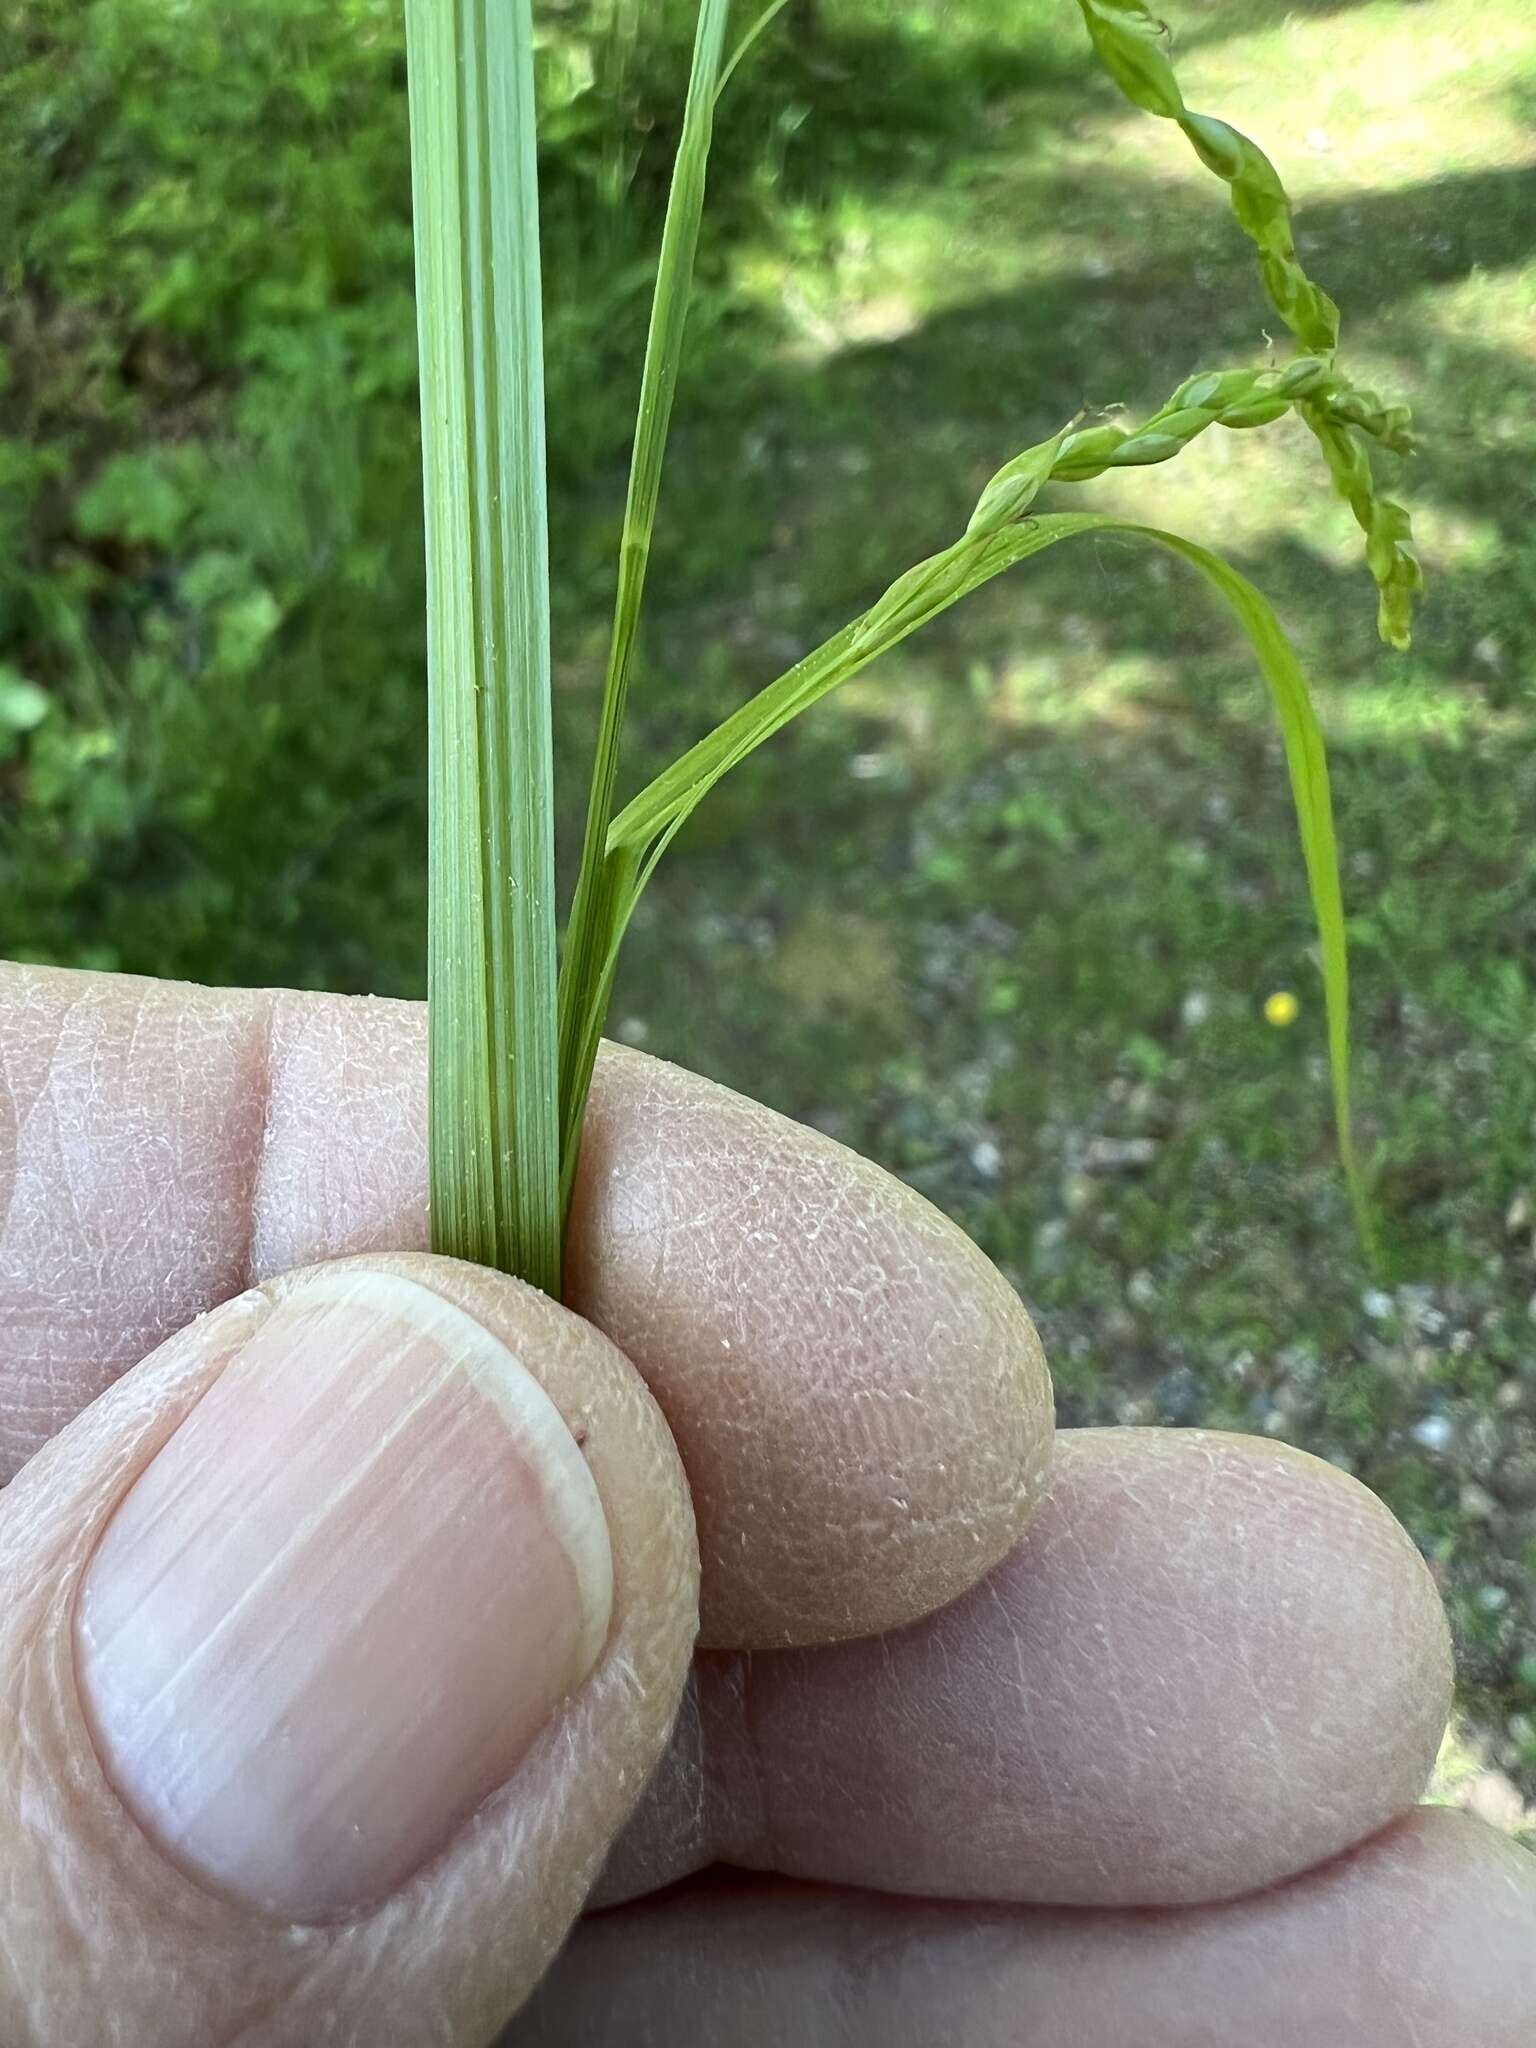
(1424, 1936)
(860, 1399)
(106, 1945)
(1211, 1662)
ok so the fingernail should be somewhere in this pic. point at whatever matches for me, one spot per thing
(332, 1615)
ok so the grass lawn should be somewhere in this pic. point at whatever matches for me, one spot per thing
(1006, 913)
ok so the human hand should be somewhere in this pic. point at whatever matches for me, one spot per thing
(234, 1806)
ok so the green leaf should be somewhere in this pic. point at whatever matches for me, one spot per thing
(597, 912)
(642, 830)
(764, 21)
(1307, 763)
(492, 1058)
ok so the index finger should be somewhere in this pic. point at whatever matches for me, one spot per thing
(859, 1397)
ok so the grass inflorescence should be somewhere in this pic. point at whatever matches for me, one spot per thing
(512, 1059)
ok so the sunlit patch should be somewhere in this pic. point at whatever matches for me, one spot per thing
(1491, 312)
(1378, 96)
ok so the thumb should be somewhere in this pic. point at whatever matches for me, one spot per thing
(338, 1639)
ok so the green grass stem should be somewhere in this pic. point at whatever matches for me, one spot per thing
(491, 972)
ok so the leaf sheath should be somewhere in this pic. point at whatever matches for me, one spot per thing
(492, 1061)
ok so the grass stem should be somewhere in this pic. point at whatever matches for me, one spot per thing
(492, 1052)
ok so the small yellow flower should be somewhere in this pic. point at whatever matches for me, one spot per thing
(1281, 1008)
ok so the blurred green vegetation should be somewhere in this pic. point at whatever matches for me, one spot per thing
(1004, 914)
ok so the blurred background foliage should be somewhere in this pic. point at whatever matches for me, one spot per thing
(1006, 914)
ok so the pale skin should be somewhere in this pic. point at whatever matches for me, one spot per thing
(1003, 1746)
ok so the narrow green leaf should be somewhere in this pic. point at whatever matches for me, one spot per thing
(642, 829)
(674, 794)
(585, 971)
(764, 21)
(1307, 763)
(493, 1073)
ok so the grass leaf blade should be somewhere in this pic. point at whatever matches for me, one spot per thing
(584, 973)
(1307, 764)
(763, 23)
(659, 811)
